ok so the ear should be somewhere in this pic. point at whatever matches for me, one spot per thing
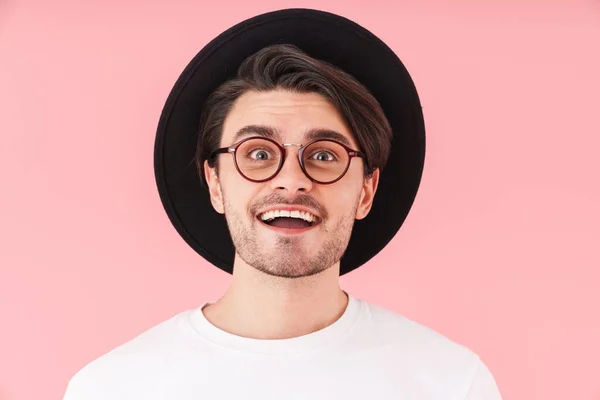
(214, 188)
(367, 194)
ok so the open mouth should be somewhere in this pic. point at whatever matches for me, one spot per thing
(289, 219)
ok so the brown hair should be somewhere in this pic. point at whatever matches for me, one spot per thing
(284, 66)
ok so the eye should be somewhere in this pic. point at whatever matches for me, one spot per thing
(324, 156)
(259, 154)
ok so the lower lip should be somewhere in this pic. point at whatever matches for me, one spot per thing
(288, 231)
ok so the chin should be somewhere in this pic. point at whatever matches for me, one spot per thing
(287, 263)
(289, 273)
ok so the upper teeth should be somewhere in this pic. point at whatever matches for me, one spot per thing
(291, 214)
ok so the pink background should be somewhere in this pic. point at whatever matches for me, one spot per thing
(500, 251)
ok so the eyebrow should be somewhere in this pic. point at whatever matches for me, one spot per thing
(273, 133)
(260, 130)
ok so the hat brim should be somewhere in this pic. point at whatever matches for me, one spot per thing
(324, 36)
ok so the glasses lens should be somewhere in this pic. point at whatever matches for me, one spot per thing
(325, 161)
(258, 159)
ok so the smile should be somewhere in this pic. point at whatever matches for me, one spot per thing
(289, 221)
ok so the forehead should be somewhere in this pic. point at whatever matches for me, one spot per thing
(286, 116)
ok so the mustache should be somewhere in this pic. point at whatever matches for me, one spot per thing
(277, 199)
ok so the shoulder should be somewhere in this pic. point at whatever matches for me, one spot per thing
(140, 356)
(427, 354)
(392, 328)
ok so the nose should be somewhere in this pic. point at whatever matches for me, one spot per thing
(291, 178)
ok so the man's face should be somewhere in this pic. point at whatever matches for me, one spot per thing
(287, 246)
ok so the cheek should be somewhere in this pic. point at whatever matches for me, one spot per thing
(233, 190)
(238, 192)
(343, 199)
(227, 170)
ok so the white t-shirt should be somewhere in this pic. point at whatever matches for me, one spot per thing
(368, 353)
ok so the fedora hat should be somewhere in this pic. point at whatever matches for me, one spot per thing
(323, 36)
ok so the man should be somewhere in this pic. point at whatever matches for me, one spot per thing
(290, 155)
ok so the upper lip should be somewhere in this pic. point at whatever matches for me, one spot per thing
(289, 208)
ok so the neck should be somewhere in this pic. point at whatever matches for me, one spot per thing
(260, 306)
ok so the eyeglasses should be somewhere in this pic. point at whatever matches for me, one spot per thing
(259, 159)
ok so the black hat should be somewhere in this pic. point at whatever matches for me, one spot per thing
(323, 36)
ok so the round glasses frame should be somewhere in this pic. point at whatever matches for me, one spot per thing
(282, 148)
